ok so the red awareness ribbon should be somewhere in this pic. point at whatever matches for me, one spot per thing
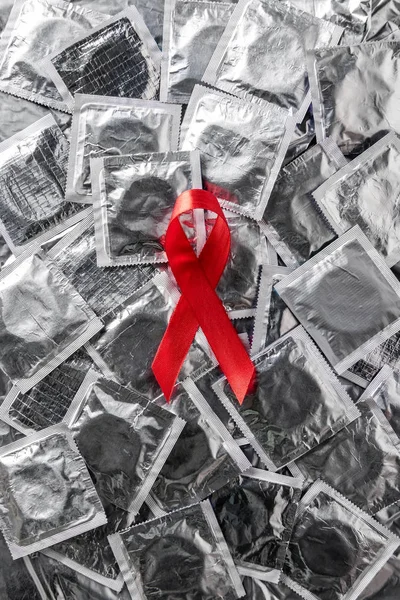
(199, 305)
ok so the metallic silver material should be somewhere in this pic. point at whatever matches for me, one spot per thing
(362, 461)
(354, 93)
(35, 29)
(133, 199)
(15, 580)
(242, 146)
(262, 53)
(116, 126)
(182, 554)
(292, 221)
(366, 192)
(385, 391)
(335, 549)
(124, 439)
(297, 402)
(117, 58)
(192, 29)
(33, 166)
(46, 494)
(364, 309)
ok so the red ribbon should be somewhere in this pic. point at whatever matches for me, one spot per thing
(199, 304)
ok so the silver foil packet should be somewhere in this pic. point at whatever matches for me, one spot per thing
(124, 439)
(297, 402)
(302, 139)
(344, 83)
(238, 286)
(366, 192)
(242, 146)
(266, 590)
(46, 494)
(33, 168)
(90, 553)
(384, 21)
(133, 200)
(35, 29)
(273, 318)
(192, 30)
(387, 353)
(336, 548)
(178, 556)
(103, 290)
(116, 126)
(352, 16)
(256, 514)
(292, 221)
(385, 391)
(132, 332)
(362, 461)
(117, 58)
(43, 319)
(363, 312)
(204, 459)
(57, 580)
(152, 12)
(262, 53)
(47, 402)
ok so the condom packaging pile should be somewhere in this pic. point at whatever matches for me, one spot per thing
(284, 114)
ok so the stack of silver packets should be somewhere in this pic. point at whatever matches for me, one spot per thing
(288, 112)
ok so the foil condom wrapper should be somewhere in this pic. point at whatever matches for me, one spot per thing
(266, 590)
(383, 22)
(124, 439)
(336, 549)
(387, 353)
(133, 199)
(292, 221)
(238, 285)
(262, 53)
(90, 554)
(191, 32)
(117, 58)
(363, 312)
(203, 460)
(273, 318)
(256, 513)
(33, 168)
(48, 401)
(354, 93)
(43, 319)
(242, 146)
(297, 402)
(303, 138)
(180, 555)
(75, 256)
(366, 193)
(362, 461)
(132, 332)
(46, 495)
(35, 29)
(114, 126)
(385, 391)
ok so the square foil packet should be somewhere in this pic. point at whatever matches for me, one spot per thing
(385, 391)
(180, 555)
(292, 221)
(46, 495)
(35, 29)
(366, 193)
(192, 29)
(133, 200)
(33, 168)
(256, 514)
(116, 126)
(363, 312)
(124, 439)
(43, 319)
(242, 145)
(117, 58)
(354, 93)
(262, 53)
(297, 403)
(336, 549)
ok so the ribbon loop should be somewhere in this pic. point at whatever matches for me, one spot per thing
(199, 305)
